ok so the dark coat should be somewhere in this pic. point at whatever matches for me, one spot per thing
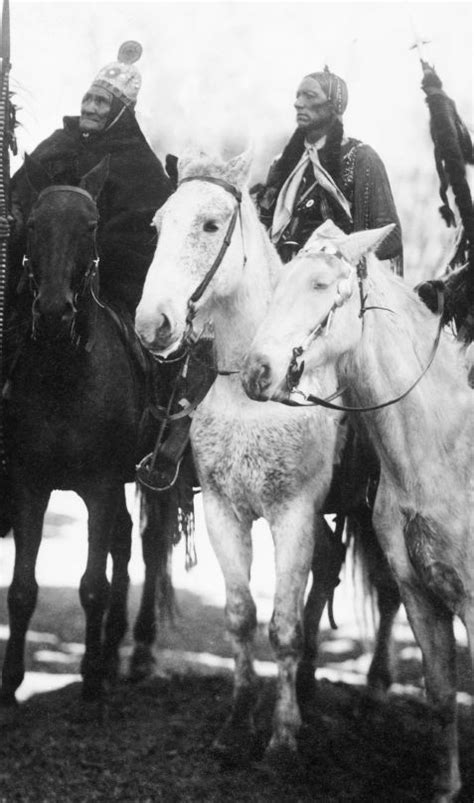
(135, 188)
(364, 182)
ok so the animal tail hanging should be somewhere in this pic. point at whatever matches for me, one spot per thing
(453, 150)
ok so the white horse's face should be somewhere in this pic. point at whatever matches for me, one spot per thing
(191, 227)
(317, 289)
(304, 298)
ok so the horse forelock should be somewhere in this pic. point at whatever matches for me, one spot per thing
(203, 164)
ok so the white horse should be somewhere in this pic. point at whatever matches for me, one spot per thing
(379, 337)
(253, 460)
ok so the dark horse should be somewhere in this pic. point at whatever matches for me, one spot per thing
(72, 421)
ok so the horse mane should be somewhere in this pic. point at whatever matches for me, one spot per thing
(201, 163)
(413, 328)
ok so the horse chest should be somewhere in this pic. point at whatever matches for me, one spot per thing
(256, 460)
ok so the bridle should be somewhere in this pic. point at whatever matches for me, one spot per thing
(189, 338)
(321, 329)
(87, 283)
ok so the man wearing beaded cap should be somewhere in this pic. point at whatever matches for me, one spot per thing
(135, 188)
(322, 174)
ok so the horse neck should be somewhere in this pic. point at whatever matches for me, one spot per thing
(237, 316)
(392, 353)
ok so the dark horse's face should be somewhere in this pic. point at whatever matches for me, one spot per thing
(61, 249)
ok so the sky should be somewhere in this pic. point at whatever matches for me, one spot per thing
(224, 74)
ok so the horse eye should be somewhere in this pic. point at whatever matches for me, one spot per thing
(319, 285)
(92, 225)
(211, 226)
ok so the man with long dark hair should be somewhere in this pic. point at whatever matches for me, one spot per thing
(322, 174)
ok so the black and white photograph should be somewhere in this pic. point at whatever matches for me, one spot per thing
(236, 411)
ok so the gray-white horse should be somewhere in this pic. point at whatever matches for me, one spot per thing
(253, 460)
(379, 337)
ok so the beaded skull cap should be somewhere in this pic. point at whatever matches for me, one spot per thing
(121, 77)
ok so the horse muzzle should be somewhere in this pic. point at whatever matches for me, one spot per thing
(256, 377)
(156, 332)
(53, 319)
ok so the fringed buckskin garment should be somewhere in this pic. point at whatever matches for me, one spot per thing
(362, 180)
(136, 187)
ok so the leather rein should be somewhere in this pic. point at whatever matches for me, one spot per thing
(295, 371)
(190, 338)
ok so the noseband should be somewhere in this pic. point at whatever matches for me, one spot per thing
(322, 327)
(91, 271)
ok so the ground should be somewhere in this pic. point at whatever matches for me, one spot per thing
(152, 741)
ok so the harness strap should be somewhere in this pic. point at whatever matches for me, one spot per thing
(316, 400)
(201, 288)
(65, 188)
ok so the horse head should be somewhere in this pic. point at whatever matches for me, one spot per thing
(199, 256)
(61, 245)
(315, 313)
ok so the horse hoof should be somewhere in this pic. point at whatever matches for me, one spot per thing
(92, 690)
(283, 757)
(236, 744)
(8, 699)
(379, 683)
(143, 664)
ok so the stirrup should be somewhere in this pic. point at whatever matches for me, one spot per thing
(156, 479)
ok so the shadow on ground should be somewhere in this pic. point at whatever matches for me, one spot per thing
(152, 741)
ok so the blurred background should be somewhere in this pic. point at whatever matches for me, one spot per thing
(224, 74)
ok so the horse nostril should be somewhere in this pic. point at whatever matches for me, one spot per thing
(53, 315)
(163, 324)
(257, 377)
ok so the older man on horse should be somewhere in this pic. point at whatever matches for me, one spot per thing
(322, 174)
(135, 188)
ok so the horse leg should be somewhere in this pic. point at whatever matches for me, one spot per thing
(27, 528)
(116, 620)
(232, 543)
(155, 519)
(293, 535)
(380, 675)
(432, 624)
(379, 577)
(102, 501)
(325, 568)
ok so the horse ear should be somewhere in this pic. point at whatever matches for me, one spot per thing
(325, 233)
(356, 245)
(38, 177)
(238, 169)
(94, 180)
